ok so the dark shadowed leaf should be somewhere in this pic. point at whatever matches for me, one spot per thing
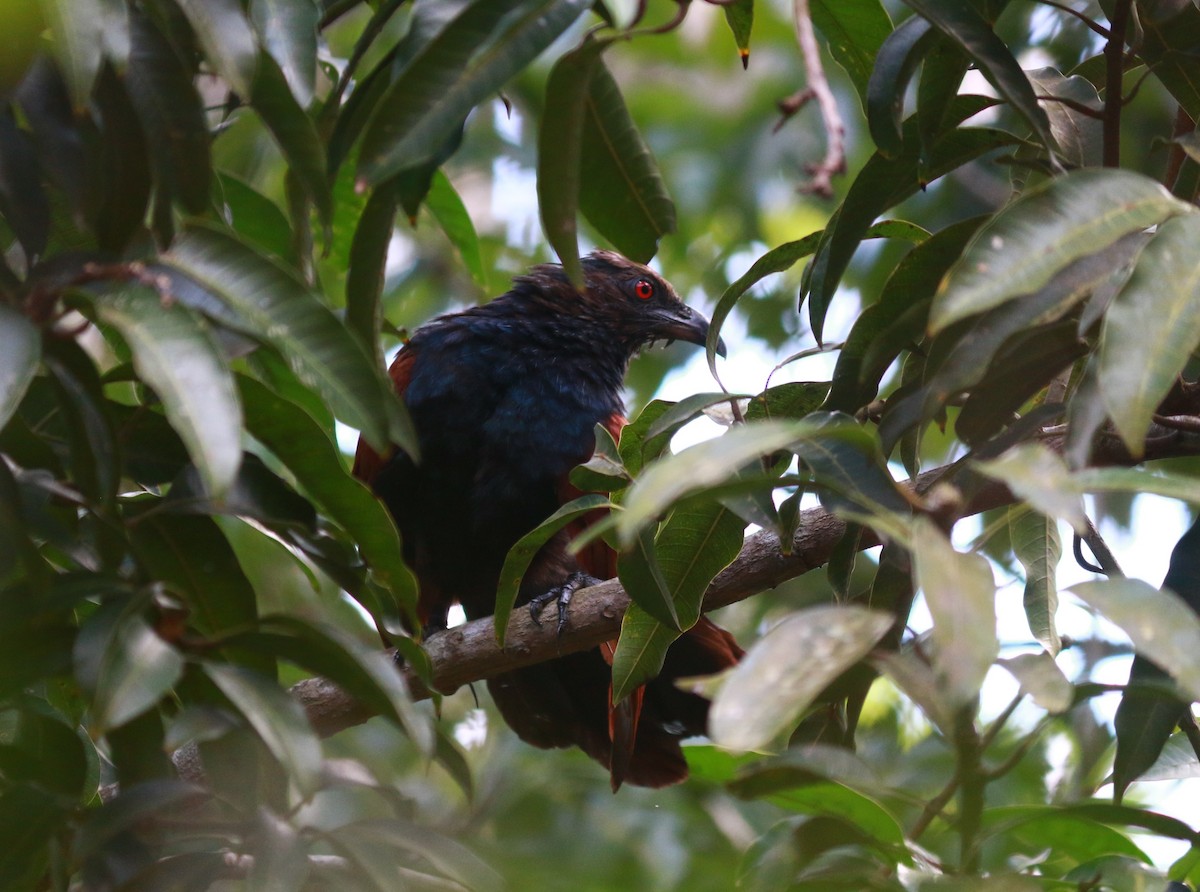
(1146, 718)
(305, 448)
(423, 107)
(254, 216)
(963, 23)
(123, 665)
(77, 26)
(319, 348)
(29, 818)
(1151, 329)
(365, 272)
(375, 842)
(781, 674)
(621, 191)
(23, 202)
(855, 31)
(175, 354)
(277, 718)
(520, 555)
(643, 580)
(895, 63)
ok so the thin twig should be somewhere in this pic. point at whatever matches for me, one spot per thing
(1075, 105)
(1100, 550)
(1189, 423)
(1114, 71)
(834, 162)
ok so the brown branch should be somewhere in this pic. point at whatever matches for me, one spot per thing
(834, 162)
(1114, 72)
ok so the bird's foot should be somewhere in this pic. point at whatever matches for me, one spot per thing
(560, 594)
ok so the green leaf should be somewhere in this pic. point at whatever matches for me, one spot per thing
(23, 202)
(642, 577)
(881, 183)
(1161, 625)
(1045, 230)
(227, 38)
(123, 665)
(1039, 476)
(700, 466)
(451, 214)
(1042, 680)
(961, 594)
(739, 16)
(895, 63)
(603, 472)
(777, 679)
(367, 263)
(1139, 480)
(670, 421)
(1151, 329)
(76, 26)
(962, 23)
(835, 800)
(621, 191)
(295, 133)
(30, 817)
(1036, 545)
(305, 448)
(452, 858)
(171, 115)
(366, 673)
(522, 553)
(855, 30)
(560, 150)
(423, 106)
(20, 353)
(288, 29)
(138, 804)
(1145, 720)
(1078, 136)
(254, 216)
(175, 354)
(278, 720)
(319, 348)
(694, 545)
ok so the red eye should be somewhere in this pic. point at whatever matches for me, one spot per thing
(643, 289)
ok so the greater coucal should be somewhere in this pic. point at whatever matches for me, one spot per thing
(505, 398)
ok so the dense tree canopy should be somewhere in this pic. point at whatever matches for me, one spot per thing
(952, 245)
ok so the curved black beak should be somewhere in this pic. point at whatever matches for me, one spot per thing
(682, 323)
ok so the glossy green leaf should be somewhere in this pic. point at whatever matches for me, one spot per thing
(1078, 136)
(1040, 477)
(739, 16)
(695, 544)
(896, 61)
(603, 472)
(318, 347)
(1042, 232)
(961, 593)
(786, 669)
(848, 465)
(366, 673)
(254, 216)
(1151, 329)
(123, 665)
(523, 552)
(701, 466)
(643, 579)
(854, 31)
(288, 29)
(301, 444)
(881, 183)
(294, 131)
(688, 408)
(963, 23)
(1161, 625)
(621, 191)
(422, 107)
(1037, 546)
(77, 28)
(175, 354)
(225, 34)
(367, 263)
(635, 447)
(560, 150)
(20, 352)
(1146, 718)
(451, 214)
(278, 720)
(171, 114)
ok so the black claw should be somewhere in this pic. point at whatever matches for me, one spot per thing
(561, 595)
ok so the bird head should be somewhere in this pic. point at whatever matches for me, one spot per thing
(629, 300)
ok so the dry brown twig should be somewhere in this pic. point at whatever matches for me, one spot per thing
(834, 162)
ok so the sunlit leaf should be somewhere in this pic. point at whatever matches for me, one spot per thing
(1043, 231)
(784, 671)
(1162, 627)
(1036, 545)
(1151, 329)
(960, 592)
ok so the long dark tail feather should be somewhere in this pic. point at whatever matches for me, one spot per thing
(567, 702)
